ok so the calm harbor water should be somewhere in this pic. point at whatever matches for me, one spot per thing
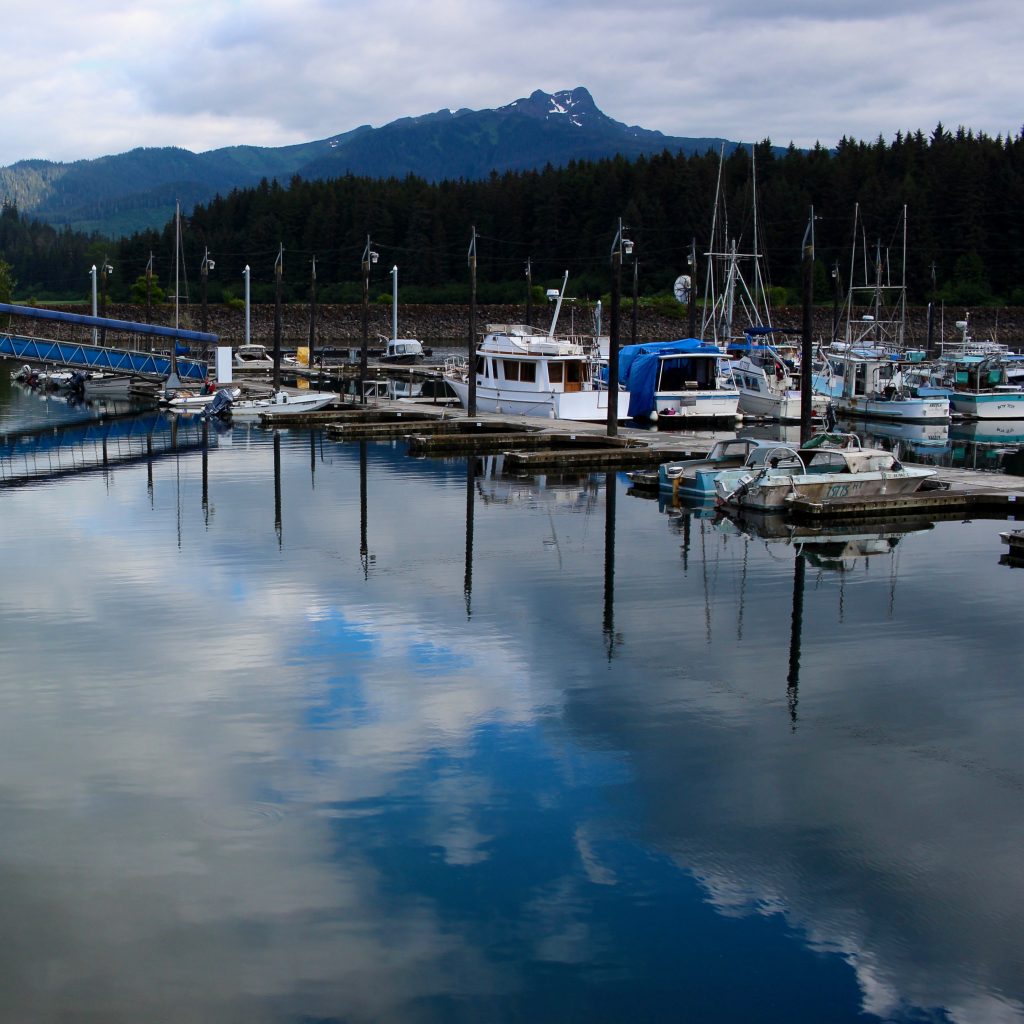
(296, 730)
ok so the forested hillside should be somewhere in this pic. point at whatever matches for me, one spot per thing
(964, 195)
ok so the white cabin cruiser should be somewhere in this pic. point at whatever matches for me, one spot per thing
(520, 371)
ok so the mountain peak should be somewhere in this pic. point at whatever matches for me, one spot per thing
(576, 106)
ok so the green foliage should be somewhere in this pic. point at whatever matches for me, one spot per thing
(7, 282)
(138, 292)
(963, 193)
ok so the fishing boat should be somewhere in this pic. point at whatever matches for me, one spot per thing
(869, 384)
(825, 467)
(768, 378)
(980, 389)
(678, 380)
(521, 371)
(695, 478)
(867, 374)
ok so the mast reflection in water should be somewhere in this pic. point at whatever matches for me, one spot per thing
(518, 771)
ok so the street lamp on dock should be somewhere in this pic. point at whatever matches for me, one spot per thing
(621, 246)
(95, 311)
(369, 258)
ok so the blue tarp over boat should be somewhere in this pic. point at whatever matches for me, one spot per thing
(638, 368)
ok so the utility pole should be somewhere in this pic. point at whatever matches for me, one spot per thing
(471, 346)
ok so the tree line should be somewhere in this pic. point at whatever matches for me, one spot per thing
(963, 194)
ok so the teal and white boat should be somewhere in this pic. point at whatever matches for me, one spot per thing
(978, 387)
(695, 478)
(828, 466)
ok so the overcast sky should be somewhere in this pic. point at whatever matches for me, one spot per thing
(85, 80)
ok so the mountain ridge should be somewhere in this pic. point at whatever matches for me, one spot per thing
(119, 194)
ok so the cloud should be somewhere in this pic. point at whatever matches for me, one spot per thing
(84, 82)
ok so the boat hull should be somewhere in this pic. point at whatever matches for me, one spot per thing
(283, 404)
(989, 405)
(583, 406)
(775, 492)
(916, 410)
(711, 405)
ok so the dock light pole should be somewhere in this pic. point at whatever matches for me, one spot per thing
(104, 271)
(369, 258)
(149, 290)
(471, 346)
(246, 276)
(278, 273)
(311, 356)
(691, 262)
(95, 311)
(636, 273)
(835, 302)
(394, 303)
(529, 292)
(204, 272)
(619, 246)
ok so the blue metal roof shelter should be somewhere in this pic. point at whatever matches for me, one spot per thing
(95, 357)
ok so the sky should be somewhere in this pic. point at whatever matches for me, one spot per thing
(83, 81)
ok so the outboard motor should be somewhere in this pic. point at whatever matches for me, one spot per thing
(220, 406)
(75, 387)
(831, 422)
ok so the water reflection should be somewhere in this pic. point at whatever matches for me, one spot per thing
(541, 764)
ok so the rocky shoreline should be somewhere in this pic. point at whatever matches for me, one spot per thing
(341, 325)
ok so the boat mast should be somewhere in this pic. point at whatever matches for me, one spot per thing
(394, 302)
(173, 382)
(558, 305)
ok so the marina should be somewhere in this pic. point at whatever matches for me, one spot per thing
(307, 724)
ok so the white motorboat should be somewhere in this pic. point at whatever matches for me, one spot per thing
(194, 399)
(252, 357)
(520, 371)
(679, 380)
(828, 466)
(282, 403)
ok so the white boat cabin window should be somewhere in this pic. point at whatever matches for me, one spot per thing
(515, 370)
(555, 375)
(681, 373)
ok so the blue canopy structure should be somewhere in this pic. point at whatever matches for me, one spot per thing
(638, 367)
(97, 357)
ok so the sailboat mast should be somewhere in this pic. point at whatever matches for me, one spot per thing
(394, 302)
(558, 305)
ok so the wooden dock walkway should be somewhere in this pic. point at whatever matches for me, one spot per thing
(537, 445)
